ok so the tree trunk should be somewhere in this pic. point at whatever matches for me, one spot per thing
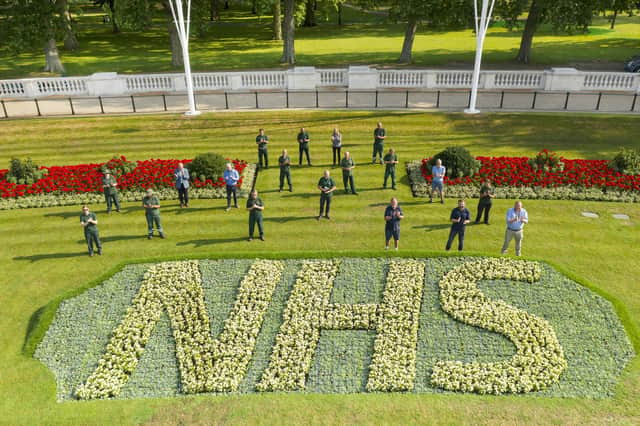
(174, 40)
(254, 7)
(409, 36)
(114, 23)
(70, 39)
(289, 24)
(310, 14)
(226, 5)
(277, 21)
(52, 58)
(613, 19)
(524, 54)
(214, 12)
(339, 14)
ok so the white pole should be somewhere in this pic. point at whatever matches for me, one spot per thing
(183, 35)
(481, 25)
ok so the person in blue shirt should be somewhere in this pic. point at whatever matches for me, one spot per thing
(392, 216)
(182, 184)
(437, 182)
(517, 217)
(231, 177)
(460, 216)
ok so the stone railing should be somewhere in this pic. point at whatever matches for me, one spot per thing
(310, 78)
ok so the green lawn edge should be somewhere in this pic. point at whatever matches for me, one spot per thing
(42, 318)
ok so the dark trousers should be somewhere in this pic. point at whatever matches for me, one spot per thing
(459, 231)
(231, 189)
(263, 155)
(325, 205)
(336, 154)
(92, 239)
(348, 179)
(304, 150)
(392, 173)
(285, 174)
(483, 207)
(151, 219)
(377, 149)
(253, 221)
(112, 198)
(183, 194)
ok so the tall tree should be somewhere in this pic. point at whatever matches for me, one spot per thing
(616, 7)
(277, 20)
(110, 7)
(289, 31)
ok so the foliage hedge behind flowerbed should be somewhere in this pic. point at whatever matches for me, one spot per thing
(82, 184)
(518, 177)
(594, 343)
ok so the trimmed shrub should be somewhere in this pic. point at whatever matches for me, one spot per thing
(627, 161)
(458, 162)
(547, 161)
(118, 166)
(207, 166)
(24, 172)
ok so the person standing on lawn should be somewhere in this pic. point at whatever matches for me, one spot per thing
(336, 145)
(255, 207)
(262, 141)
(182, 184)
(284, 161)
(517, 217)
(110, 188)
(303, 145)
(347, 164)
(390, 161)
(326, 185)
(151, 204)
(379, 134)
(89, 222)
(437, 182)
(231, 178)
(485, 202)
(460, 216)
(392, 216)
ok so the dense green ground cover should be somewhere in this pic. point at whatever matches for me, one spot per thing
(243, 41)
(42, 254)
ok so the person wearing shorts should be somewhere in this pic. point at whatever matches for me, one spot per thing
(392, 216)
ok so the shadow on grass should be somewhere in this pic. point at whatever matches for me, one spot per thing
(64, 215)
(37, 257)
(113, 238)
(434, 227)
(33, 323)
(206, 242)
(286, 219)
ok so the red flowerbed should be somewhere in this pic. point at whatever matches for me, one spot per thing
(516, 171)
(81, 178)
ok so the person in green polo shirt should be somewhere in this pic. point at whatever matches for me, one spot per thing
(284, 161)
(151, 204)
(390, 161)
(347, 164)
(89, 222)
(379, 134)
(255, 207)
(110, 188)
(303, 145)
(262, 141)
(326, 185)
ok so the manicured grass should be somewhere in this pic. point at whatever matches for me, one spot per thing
(42, 254)
(243, 41)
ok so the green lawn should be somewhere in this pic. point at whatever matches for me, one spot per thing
(243, 41)
(42, 255)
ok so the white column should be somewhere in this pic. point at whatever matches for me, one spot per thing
(482, 23)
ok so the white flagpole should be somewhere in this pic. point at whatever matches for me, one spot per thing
(183, 35)
(481, 25)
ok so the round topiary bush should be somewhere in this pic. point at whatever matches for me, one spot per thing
(207, 166)
(457, 160)
(627, 161)
(118, 166)
(24, 172)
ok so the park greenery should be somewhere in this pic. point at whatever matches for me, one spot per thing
(80, 37)
(43, 256)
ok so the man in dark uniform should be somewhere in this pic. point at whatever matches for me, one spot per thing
(392, 216)
(378, 142)
(262, 140)
(485, 201)
(109, 185)
(255, 207)
(390, 161)
(347, 164)
(303, 144)
(151, 204)
(460, 216)
(326, 185)
(284, 161)
(89, 222)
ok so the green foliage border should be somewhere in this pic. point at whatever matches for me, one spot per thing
(42, 318)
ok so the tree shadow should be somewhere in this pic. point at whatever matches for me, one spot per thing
(65, 215)
(205, 242)
(433, 227)
(37, 257)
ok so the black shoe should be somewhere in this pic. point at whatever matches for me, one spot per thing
(384, 186)
(291, 189)
(346, 191)
(162, 235)
(99, 252)
(318, 218)
(441, 201)
(261, 238)
(486, 223)
(476, 222)
(354, 193)
(235, 207)
(149, 237)
(108, 211)
(327, 217)
(250, 239)
(280, 190)
(393, 187)
(117, 210)
(430, 201)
